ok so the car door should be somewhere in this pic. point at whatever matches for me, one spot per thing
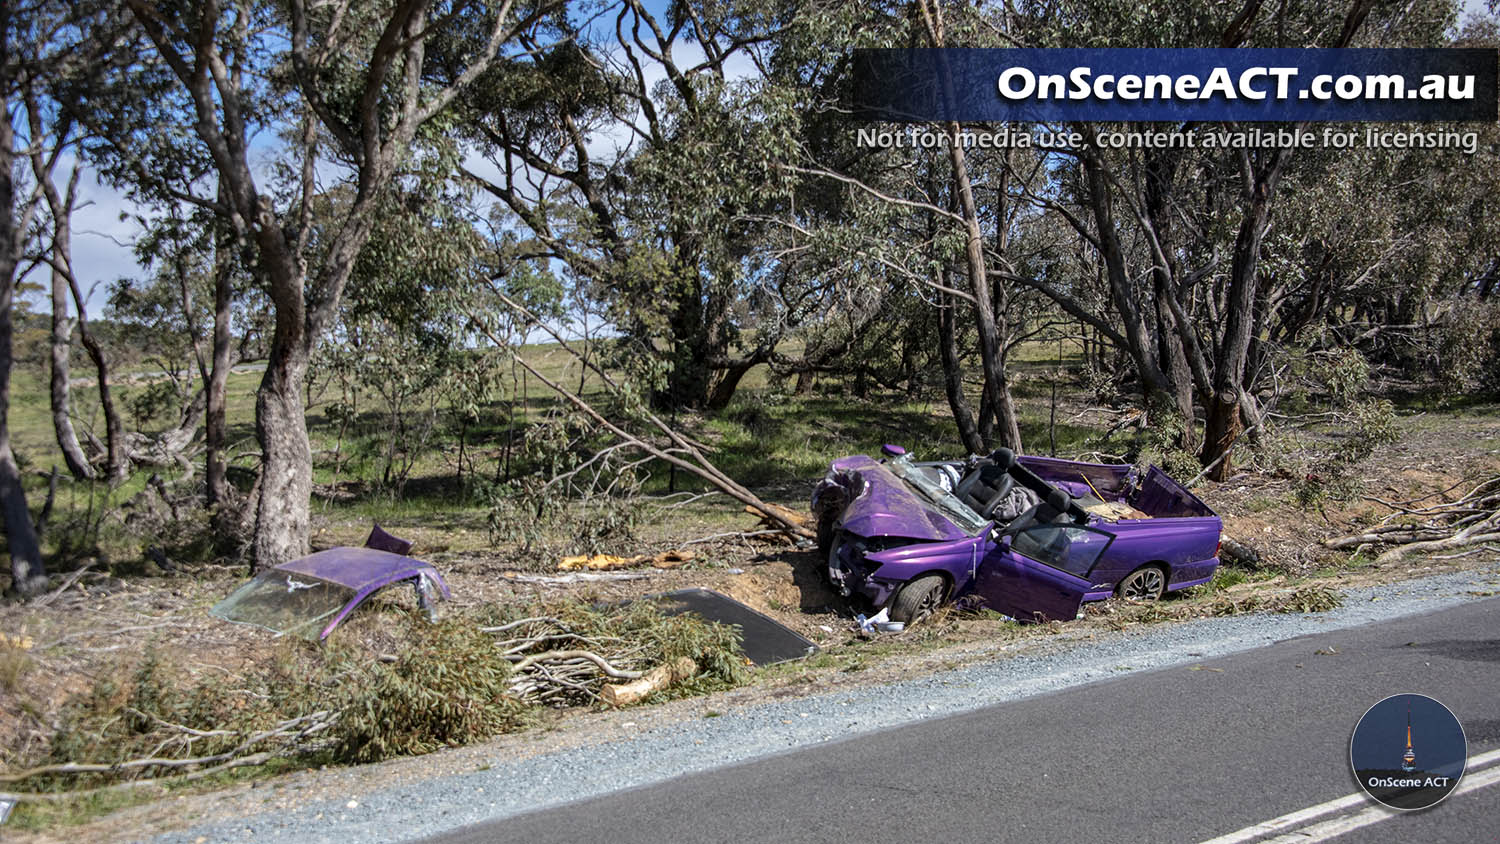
(1041, 572)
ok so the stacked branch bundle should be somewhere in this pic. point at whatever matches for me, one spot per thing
(555, 665)
(1469, 521)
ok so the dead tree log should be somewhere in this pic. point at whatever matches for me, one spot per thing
(653, 681)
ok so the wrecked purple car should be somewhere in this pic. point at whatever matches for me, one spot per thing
(310, 596)
(1030, 537)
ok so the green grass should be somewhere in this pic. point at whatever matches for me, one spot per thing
(767, 439)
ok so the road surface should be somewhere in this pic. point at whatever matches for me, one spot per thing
(1225, 748)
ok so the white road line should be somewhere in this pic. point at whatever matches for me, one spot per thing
(1338, 826)
(1252, 833)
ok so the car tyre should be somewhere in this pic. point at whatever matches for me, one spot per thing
(1147, 583)
(919, 599)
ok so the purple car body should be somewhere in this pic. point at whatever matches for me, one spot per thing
(312, 595)
(886, 524)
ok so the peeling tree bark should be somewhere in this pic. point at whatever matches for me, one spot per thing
(62, 350)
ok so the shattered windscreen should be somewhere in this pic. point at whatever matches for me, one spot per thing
(285, 603)
(958, 512)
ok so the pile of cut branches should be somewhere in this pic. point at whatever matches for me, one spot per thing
(468, 677)
(1471, 520)
(583, 656)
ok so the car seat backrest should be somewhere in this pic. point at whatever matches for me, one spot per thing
(981, 486)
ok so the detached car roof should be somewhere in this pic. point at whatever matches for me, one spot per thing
(357, 568)
(337, 582)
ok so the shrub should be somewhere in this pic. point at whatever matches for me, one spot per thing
(449, 687)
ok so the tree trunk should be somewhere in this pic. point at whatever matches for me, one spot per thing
(728, 380)
(953, 377)
(116, 458)
(215, 470)
(1224, 424)
(28, 577)
(62, 349)
(282, 517)
(991, 354)
(1140, 344)
(1161, 171)
(1006, 421)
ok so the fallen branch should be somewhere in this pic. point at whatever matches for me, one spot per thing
(736, 534)
(653, 681)
(1390, 537)
(1436, 545)
(294, 729)
(574, 577)
(1471, 552)
(682, 452)
(67, 584)
(598, 660)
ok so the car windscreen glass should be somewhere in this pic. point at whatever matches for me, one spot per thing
(1068, 547)
(285, 603)
(949, 504)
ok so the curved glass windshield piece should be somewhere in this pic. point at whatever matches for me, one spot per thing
(949, 504)
(286, 604)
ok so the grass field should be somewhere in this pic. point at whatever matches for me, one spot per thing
(771, 441)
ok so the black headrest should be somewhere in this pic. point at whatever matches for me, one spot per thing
(1004, 458)
(1058, 500)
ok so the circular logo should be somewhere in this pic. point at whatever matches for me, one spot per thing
(1408, 752)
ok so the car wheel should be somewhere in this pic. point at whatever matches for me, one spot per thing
(1144, 584)
(919, 599)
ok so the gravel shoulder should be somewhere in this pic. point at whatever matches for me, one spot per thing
(603, 752)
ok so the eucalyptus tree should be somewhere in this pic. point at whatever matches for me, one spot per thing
(635, 152)
(17, 209)
(1180, 236)
(40, 41)
(351, 89)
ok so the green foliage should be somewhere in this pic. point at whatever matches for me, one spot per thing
(1161, 445)
(447, 688)
(1310, 599)
(447, 685)
(1372, 426)
(1468, 349)
(1343, 372)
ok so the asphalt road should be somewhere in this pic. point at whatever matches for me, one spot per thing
(1180, 754)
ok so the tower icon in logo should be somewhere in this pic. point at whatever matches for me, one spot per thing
(1409, 758)
(1390, 774)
